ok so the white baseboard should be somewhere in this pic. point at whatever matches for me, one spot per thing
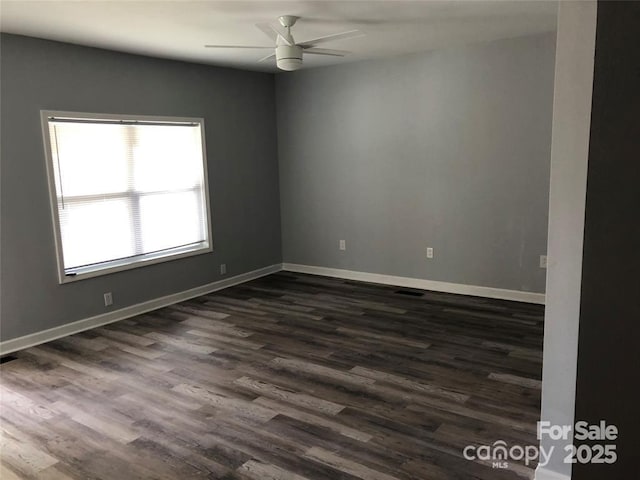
(489, 292)
(37, 338)
(544, 474)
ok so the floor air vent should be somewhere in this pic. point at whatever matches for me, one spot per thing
(410, 293)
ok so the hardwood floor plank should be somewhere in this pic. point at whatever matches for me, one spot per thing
(344, 465)
(320, 371)
(7, 474)
(301, 399)
(515, 380)
(237, 407)
(311, 419)
(22, 455)
(118, 429)
(226, 340)
(257, 470)
(17, 401)
(182, 344)
(410, 384)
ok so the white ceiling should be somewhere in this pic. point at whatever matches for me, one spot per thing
(178, 29)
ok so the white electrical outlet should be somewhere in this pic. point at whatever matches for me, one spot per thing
(108, 299)
(429, 252)
(543, 261)
(343, 244)
(223, 269)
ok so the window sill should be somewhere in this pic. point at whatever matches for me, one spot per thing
(128, 264)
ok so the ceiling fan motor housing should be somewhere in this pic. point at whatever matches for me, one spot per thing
(289, 57)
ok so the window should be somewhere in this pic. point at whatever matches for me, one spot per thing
(125, 191)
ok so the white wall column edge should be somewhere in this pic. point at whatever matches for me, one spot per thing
(575, 50)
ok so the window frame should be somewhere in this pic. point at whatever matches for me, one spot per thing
(119, 265)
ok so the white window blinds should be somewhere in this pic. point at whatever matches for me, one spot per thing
(127, 192)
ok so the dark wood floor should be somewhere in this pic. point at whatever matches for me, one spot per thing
(288, 377)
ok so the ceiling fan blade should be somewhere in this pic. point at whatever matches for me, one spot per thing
(235, 46)
(267, 30)
(326, 51)
(331, 38)
(274, 32)
(268, 57)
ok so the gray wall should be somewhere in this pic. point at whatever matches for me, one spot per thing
(238, 108)
(449, 149)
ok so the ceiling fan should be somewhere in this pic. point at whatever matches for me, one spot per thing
(288, 53)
